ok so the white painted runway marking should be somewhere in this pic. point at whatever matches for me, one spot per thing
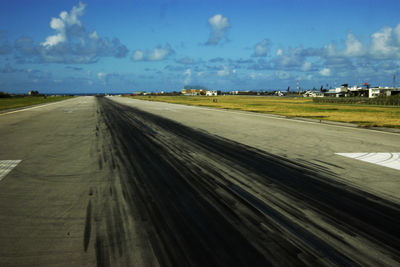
(35, 107)
(390, 160)
(6, 166)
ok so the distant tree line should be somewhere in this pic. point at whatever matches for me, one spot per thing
(34, 93)
(31, 93)
(4, 95)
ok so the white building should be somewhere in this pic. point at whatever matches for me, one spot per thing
(384, 91)
(211, 93)
(309, 93)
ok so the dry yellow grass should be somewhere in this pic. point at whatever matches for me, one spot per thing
(362, 115)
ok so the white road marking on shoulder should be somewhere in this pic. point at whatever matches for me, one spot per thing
(6, 166)
(390, 160)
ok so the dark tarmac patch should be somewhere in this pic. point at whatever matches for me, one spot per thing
(181, 186)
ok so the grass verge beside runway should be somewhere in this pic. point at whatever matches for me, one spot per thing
(362, 115)
(18, 102)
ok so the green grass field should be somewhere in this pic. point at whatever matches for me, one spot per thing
(17, 102)
(362, 115)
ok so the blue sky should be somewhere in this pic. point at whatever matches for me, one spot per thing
(125, 46)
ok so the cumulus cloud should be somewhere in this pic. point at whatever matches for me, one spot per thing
(71, 43)
(261, 48)
(63, 23)
(101, 75)
(353, 46)
(219, 25)
(384, 43)
(325, 72)
(292, 58)
(138, 55)
(156, 54)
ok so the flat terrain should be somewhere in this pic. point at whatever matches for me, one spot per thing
(18, 102)
(363, 115)
(117, 181)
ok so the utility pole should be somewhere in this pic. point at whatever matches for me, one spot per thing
(394, 80)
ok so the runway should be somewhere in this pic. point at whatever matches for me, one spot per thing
(118, 182)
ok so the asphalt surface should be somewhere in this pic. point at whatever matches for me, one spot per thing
(110, 184)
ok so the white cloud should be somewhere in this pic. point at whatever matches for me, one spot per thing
(382, 43)
(396, 33)
(71, 43)
(57, 24)
(279, 52)
(293, 58)
(261, 48)
(353, 46)
(156, 54)
(72, 17)
(101, 75)
(325, 72)
(159, 53)
(54, 40)
(138, 55)
(61, 24)
(93, 35)
(219, 26)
